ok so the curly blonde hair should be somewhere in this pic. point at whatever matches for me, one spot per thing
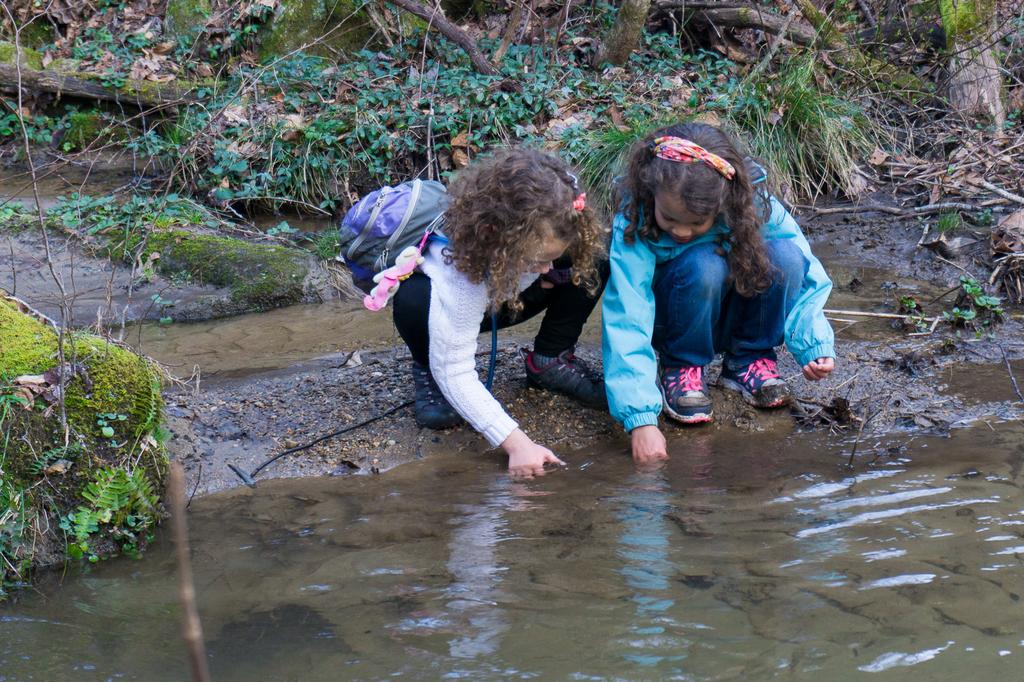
(501, 211)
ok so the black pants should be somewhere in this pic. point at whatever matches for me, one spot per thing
(568, 308)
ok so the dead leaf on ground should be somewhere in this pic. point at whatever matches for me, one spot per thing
(878, 157)
(61, 466)
(460, 159)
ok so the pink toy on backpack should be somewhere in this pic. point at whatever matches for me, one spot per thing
(389, 279)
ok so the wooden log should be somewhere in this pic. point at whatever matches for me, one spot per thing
(752, 17)
(142, 94)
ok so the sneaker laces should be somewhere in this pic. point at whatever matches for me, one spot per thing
(688, 379)
(566, 359)
(763, 370)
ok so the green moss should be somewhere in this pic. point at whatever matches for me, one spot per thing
(963, 19)
(260, 276)
(28, 347)
(84, 128)
(29, 58)
(37, 34)
(65, 65)
(114, 381)
(302, 22)
(186, 17)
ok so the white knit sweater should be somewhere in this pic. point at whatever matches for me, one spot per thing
(457, 308)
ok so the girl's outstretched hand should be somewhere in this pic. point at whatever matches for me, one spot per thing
(816, 370)
(649, 446)
(526, 459)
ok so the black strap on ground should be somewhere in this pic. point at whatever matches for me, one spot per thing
(250, 478)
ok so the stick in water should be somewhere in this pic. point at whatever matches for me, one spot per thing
(191, 628)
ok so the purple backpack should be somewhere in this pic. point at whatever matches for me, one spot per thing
(376, 229)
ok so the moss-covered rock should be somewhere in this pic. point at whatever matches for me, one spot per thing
(86, 127)
(186, 17)
(343, 25)
(29, 57)
(260, 276)
(90, 489)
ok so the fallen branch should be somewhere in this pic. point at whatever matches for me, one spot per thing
(895, 210)
(861, 313)
(136, 93)
(1009, 370)
(747, 16)
(1000, 191)
(436, 19)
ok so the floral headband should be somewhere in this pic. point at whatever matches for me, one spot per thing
(681, 150)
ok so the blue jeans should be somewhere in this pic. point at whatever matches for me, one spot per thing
(698, 314)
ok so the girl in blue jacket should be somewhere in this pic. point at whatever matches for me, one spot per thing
(701, 264)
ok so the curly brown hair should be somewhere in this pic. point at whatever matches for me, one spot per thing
(704, 192)
(501, 211)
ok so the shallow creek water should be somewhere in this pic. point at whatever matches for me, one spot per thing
(744, 558)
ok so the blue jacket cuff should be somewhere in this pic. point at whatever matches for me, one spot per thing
(641, 419)
(822, 350)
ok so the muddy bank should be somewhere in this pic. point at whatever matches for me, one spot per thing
(901, 388)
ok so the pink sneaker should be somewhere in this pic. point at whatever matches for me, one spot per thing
(686, 395)
(759, 383)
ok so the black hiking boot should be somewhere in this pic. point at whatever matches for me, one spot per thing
(565, 374)
(432, 409)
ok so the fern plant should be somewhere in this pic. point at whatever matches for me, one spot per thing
(121, 503)
(40, 463)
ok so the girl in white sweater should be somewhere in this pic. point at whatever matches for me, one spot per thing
(519, 240)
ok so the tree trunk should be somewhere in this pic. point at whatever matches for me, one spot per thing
(975, 82)
(625, 35)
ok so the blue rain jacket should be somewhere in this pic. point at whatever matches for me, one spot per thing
(630, 364)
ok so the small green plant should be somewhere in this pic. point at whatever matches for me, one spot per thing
(960, 317)
(974, 309)
(326, 245)
(14, 521)
(106, 422)
(909, 304)
(120, 504)
(281, 228)
(949, 222)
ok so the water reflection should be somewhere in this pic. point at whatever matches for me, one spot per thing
(474, 596)
(648, 569)
(742, 558)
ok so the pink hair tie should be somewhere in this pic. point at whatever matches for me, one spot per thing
(580, 202)
(682, 150)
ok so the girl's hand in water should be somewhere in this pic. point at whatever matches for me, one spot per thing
(526, 459)
(816, 370)
(649, 446)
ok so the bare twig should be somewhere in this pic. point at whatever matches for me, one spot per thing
(1000, 191)
(191, 627)
(894, 210)
(64, 307)
(863, 313)
(1009, 370)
